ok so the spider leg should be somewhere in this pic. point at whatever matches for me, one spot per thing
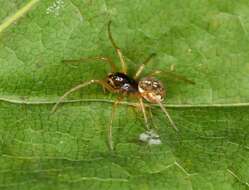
(144, 113)
(172, 76)
(117, 49)
(167, 115)
(114, 106)
(98, 58)
(141, 67)
(151, 115)
(103, 83)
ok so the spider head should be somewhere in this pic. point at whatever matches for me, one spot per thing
(116, 80)
(122, 82)
(151, 89)
(111, 80)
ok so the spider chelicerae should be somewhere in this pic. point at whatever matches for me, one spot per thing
(119, 82)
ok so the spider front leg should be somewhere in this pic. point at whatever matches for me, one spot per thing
(101, 82)
(117, 49)
(98, 58)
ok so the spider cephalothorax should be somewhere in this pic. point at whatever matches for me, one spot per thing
(122, 82)
(147, 88)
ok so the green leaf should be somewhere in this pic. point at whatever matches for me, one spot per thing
(203, 40)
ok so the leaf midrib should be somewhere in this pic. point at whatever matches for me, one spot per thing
(129, 103)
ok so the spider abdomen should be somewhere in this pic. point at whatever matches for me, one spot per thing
(151, 89)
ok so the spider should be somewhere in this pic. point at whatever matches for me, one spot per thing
(147, 88)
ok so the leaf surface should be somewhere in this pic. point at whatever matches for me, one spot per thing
(205, 41)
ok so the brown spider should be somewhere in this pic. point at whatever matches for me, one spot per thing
(148, 88)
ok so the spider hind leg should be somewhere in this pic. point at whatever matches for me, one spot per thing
(167, 115)
(141, 103)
